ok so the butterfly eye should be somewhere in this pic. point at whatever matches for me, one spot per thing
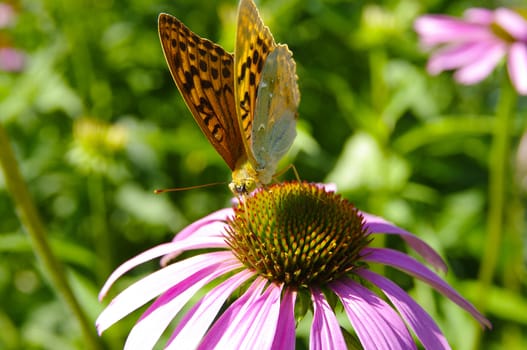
(250, 185)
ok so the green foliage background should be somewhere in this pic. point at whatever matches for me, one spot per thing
(97, 124)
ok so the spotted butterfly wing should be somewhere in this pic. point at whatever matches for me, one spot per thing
(254, 42)
(266, 94)
(203, 73)
(226, 94)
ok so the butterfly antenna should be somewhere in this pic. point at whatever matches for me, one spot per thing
(179, 189)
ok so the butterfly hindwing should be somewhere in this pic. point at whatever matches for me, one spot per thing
(274, 124)
(204, 74)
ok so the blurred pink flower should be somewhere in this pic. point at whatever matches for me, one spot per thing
(311, 244)
(11, 60)
(474, 45)
(7, 15)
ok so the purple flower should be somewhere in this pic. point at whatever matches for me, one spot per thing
(474, 45)
(290, 244)
(11, 60)
(7, 15)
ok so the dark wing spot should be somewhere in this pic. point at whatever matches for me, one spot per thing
(225, 72)
(177, 60)
(242, 72)
(260, 65)
(189, 82)
(203, 65)
(214, 72)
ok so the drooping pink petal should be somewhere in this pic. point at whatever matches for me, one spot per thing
(457, 56)
(512, 22)
(211, 226)
(418, 319)
(325, 329)
(194, 325)
(160, 281)
(479, 69)
(517, 66)
(439, 29)
(253, 316)
(479, 15)
(152, 324)
(162, 249)
(375, 224)
(284, 337)
(413, 267)
(193, 229)
(375, 322)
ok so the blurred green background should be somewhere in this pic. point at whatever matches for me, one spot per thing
(97, 124)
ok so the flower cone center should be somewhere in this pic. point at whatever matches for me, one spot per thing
(298, 234)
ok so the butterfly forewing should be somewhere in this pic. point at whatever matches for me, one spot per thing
(254, 41)
(203, 73)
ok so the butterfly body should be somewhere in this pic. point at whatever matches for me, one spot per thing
(244, 103)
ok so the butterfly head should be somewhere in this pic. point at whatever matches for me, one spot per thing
(244, 179)
(243, 188)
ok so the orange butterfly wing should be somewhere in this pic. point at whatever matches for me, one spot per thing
(254, 42)
(203, 73)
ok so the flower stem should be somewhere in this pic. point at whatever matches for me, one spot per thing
(498, 165)
(32, 224)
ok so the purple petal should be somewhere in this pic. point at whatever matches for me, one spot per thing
(160, 281)
(157, 251)
(212, 231)
(377, 325)
(7, 15)
(197, 320)
(376, 224)
(219, 216)
(250, 320)
(457, 56)
(479, 15)
(439, 29)
(11, 60)
(415, 268)
(421, 323)
(479, 69)
(517, 66)
(152, 324)
(512, 22)
(284, 337)
(325, 329)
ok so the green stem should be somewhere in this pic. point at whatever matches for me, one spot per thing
(32, 224)
(499, 164)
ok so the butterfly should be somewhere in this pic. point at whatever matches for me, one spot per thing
(245, 103)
